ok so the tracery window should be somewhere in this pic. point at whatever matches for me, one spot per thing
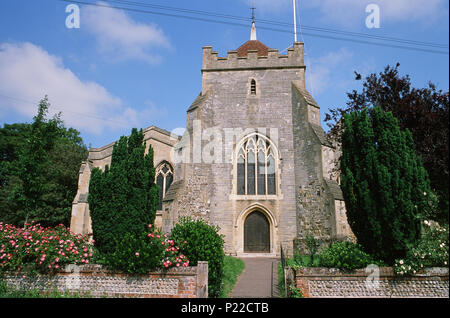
(256, 167)
(164, 178)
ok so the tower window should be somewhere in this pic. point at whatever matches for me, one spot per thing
(253, 87)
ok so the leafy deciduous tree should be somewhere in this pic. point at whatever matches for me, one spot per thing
(39, 169)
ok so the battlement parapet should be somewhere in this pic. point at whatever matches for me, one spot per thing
(274, 60)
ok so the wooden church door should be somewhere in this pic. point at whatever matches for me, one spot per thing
(256, 233)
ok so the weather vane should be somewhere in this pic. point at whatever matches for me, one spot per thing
(253, 11)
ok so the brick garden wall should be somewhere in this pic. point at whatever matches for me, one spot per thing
(183, 282)
(333, 283)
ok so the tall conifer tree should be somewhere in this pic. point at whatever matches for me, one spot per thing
(385, 187)
(123, 198)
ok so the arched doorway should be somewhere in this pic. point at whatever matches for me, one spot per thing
(256, 233)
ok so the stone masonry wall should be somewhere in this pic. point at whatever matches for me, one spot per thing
(315, 208)
(192, 200)
(185, 282)
(315, 217)
(334, 283)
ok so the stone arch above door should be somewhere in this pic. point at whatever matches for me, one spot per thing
(239, 228)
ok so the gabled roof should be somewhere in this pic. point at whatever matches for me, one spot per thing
(106, 151)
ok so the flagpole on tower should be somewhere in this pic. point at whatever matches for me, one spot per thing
(295, 22)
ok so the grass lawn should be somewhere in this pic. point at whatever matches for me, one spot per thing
(233, 267)
(281, 289)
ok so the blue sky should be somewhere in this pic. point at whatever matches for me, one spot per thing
(124, 69)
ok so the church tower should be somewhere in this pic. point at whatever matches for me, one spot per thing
(254, 159)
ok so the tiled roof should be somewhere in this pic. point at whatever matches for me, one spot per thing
(254, 45)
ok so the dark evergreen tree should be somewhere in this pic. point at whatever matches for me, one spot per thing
(123, 198)
(385, 187)
(424, 111)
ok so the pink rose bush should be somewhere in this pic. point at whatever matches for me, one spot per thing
(145, 252)
(44, 249)
(173, 257)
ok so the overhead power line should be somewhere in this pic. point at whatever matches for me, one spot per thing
(279, 23)
(326, 33)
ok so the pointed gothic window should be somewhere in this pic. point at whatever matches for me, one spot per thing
(255, 167)
(164, 178)
(253, 87)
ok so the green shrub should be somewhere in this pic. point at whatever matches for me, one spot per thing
(302, 261)
(200, 241)
(144, 252)
(430, 251)
(295, 292)
(345, 255)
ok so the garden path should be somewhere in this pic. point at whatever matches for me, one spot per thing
(258, 280)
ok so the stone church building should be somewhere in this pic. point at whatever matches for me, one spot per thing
(253, 160)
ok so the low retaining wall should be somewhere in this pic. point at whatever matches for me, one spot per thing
(181, 282)
(334, 283)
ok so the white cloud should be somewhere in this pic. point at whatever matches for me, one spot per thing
(28, 73)
(326, 71)
(119, 37)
